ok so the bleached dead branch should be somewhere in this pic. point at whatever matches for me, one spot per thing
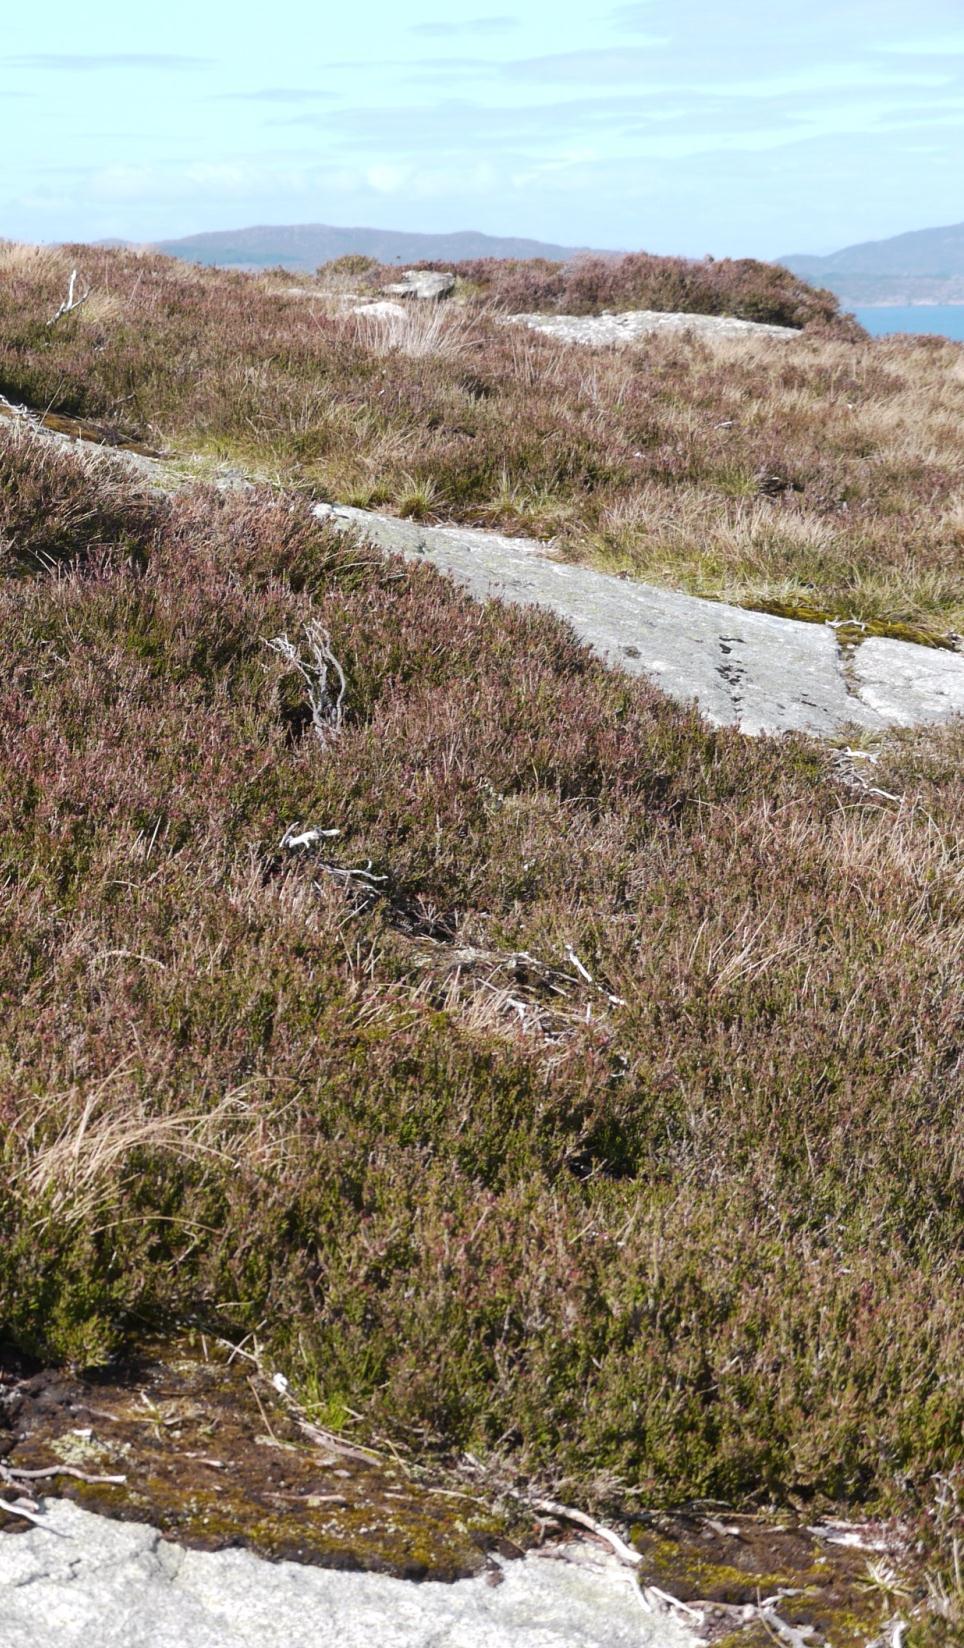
(12, 1475)
(584, 973)
(30, 1516)
(295, 836)
(70, 302)
(359, 880)
(567, 1513)
(323, 676)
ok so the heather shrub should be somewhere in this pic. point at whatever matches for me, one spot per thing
(691, 1229)
(743, 287)
(56, 507)
(351, 263)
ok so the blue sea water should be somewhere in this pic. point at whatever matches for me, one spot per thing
(946, 320)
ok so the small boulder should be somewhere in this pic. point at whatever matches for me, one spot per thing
(423, 283)
(381, 310)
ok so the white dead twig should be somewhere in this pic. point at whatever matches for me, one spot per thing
(660, 1602)
(360, 877)
(70, 302)
(583, 971)
(357, 877)
(325, 699)
(11, 1474)
(566, 1513)
(295, 836)
(796, 1636)
(657, 1601)
(653, 1599)
(31, 1516)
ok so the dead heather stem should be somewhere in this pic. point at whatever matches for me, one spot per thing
(323, 676)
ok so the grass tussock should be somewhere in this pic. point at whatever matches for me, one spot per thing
(693, 1227)
(821, 474)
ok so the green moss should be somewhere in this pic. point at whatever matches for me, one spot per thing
(684, 1572)
(851, 631)
(934, 1631)
(819, 1586)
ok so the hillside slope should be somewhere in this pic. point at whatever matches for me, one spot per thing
(818, 476)
(305, 246)
(923, 266)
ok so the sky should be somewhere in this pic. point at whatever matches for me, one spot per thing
(687, 126)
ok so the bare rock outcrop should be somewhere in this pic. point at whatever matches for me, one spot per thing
(427, 285)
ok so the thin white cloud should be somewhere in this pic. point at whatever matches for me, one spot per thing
(638, 16)
(81, 62)
(635, 65)
(473, 25)
(934, 45)
(594, 67)
(277, 94)
(830, 77)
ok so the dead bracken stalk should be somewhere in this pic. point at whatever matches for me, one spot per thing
(323, 676)
(71, 302)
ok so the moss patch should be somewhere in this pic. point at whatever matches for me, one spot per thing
(213, 1458)
(851, 631)
(740, 1560)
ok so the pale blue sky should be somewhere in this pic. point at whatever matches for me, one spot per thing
(676, 125)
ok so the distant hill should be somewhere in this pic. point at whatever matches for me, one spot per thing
(925, 266)
(303, 246)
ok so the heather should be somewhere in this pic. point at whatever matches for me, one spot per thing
(688, 1227)
(816, 476)
(743, 287)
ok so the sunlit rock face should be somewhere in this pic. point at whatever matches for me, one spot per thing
(84, 1579)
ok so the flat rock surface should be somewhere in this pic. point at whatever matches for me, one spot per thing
(81, 1581)
(746, 669)
(906, 684)
(636, 323)
(751, 670)
(381, 309)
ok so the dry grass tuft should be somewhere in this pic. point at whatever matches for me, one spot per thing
(32, 263)
(78, 1148)
(422, 332)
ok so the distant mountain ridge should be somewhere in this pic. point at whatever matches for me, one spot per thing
(303, 246)
(923, 266)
